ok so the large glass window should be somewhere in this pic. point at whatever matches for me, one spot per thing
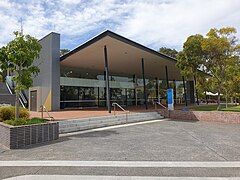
(118, 95)
(131, 99)
(102, 97)
(72, 97)
(151, 90)
(162, 91)
(179, 92)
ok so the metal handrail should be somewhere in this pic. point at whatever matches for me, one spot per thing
(11, 92)
(114, 109)
(22, 98)
(9, 88)
(160, 104)
(44, 107)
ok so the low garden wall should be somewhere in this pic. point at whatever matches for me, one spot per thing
(15, 137)
(213, 116)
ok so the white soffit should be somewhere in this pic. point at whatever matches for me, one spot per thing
(123, 59)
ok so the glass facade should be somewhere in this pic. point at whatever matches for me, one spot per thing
(72, 96)
(87, 89)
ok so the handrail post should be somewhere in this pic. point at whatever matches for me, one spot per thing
(114, 106)
(41, 111)
(160, 104)
(43, 107)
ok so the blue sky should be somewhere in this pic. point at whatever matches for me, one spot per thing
(153, 23)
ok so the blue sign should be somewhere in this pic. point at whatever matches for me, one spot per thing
(170, 96)
(170, 99)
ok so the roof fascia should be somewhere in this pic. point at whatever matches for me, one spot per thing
(117, 37)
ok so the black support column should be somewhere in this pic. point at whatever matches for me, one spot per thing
(157, 95)
(166, 70)
(144, 84)
(195, 86)
(107, 80)
(185, 92)
(174, 92)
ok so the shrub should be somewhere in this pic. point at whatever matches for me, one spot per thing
(1, 78)
(23, 113)
(16, 122)
(8, 113)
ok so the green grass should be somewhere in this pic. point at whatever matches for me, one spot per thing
(21, 121)
(232, 108)
(214, 108)
(36, 121)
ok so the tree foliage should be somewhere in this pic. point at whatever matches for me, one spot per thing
(64, 51)
(169, 52)
(18, 56)
(190, 59)
(216, 54)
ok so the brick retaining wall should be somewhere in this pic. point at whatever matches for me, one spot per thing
(15, 137)
(213, 116)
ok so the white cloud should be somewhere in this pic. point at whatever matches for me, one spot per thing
(169, 24)
(154, 23)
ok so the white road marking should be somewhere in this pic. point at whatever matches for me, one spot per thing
(77, 177)
(111, 127)
(143, 164)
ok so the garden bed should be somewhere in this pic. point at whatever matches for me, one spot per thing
(15, 137)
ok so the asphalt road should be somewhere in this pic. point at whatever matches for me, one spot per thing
(163, 141)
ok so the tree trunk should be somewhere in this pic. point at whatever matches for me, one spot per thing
(231, 100)
(17, 91)
(17, 105)
(206, 97)
(226, 99)
(219, 92)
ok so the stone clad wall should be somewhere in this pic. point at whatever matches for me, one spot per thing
(212, 116)
(5, 134)
(15, 137)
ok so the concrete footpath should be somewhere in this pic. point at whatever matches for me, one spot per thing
(154, 149)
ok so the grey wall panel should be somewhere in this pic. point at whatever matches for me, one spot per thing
(55, 72)
(49, 77)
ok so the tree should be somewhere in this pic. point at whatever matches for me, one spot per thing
(190, 60)
(64, 51)
(18, 56)
(216, 54)
(169, 52)
(220, 55)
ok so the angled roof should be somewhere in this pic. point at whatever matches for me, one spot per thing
(124, 57)
(117, 37)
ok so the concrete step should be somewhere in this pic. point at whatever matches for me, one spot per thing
(7, 99)
(122, 120)
(151, 114)
(5, 96)
(3, 88)
(103, 121)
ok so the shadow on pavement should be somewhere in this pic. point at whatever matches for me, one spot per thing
(182, 120)
(104, 133)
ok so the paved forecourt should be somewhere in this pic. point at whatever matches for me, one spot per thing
(152, 149)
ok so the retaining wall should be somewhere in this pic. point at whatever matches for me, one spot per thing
(15, 137)
(212, 116)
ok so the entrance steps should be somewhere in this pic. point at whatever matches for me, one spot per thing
(72, 125)
(5, 96)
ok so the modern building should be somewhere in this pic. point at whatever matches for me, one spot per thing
(108, 68)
